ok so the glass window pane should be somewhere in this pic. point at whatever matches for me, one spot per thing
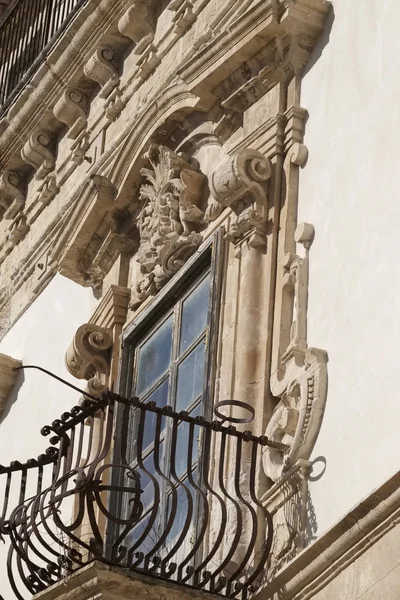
(154, 357)
(160, 397)
(146, 483)
(194, 314)
(182, 444)
(190, 378)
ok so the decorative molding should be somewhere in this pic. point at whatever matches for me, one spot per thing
(101, 69)
(170, 219)
(138, 24)
(49, 189)
(240, 183)
(113, 308)
(288, 503)
(12, 198)
(18, 229)
(7, 377)
(36, 153)
(300, 379)
(72, 109)
(89, 356)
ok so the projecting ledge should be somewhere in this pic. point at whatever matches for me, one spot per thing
(7, 377)
(102, 582)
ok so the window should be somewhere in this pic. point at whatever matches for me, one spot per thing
(168, 361)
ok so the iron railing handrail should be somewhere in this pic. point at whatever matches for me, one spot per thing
(28, 29)
(180, 541)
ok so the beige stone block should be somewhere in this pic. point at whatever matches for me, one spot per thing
(375, 564)
(386, 589)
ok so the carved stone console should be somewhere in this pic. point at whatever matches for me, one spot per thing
(37, 153)
(240, 183)
(89, 356)
(12, 196)
(7, 377)
(170, 219)
(138, 23)
(300, 377)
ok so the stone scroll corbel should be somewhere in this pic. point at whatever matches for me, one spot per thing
(240, 182)
(71, 109)
(138, 24)
(12, 196)
(36, 153)
(7, 378)
(101, 69)
(299, 378)
(89, 355)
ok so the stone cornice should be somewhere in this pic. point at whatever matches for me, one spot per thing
(315, 566)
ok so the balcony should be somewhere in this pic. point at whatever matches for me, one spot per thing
(175, 498)
(28, 28)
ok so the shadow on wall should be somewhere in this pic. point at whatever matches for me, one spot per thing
(13, 396)
(322, 42)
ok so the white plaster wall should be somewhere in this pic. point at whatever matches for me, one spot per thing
(40, 337)
(350, 191)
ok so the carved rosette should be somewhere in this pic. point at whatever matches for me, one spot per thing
(170, 220)
(89, 356)
(300, 380)
(240, 182)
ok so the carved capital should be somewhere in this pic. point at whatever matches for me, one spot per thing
(101, 69)
(12, 197)
(89, 355)
(240, 183)
(7, 377)
(49, 189)
(71, 109)
(36, 153)
(300, 379)
(138, 24)
(170, 220)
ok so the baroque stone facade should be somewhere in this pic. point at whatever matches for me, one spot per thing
(159, 126)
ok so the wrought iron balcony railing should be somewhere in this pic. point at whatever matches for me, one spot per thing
(27, 30)
(177, 500)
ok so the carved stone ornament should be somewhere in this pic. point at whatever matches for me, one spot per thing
(240, 182)
(12, 198)
(88, 357)
(36, 153)
(101, 69)
(300, 380)
(184, 16)
(169, 220)
(71, 109)
(7, 377)
(138, 23)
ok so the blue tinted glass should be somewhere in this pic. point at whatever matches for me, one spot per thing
(154, 357)
(160, 397)
(194, 314)
(146, 483)
(190, 378)
(182, 444)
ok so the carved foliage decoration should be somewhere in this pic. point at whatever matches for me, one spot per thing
(169, 220)
(300, 380)
(89, 356)
(240, 182)
(138, 24)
